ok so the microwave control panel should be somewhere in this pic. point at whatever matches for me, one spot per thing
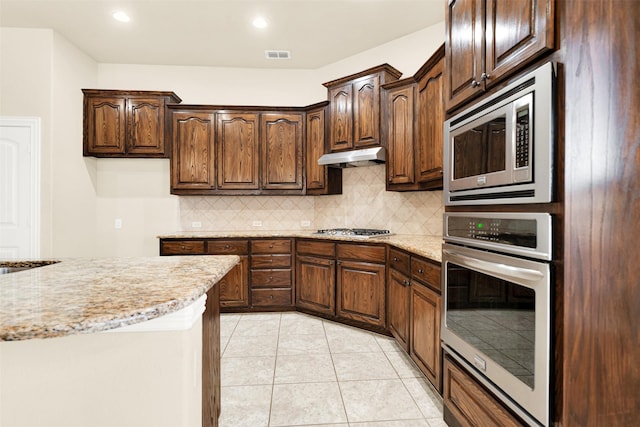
(522, 137)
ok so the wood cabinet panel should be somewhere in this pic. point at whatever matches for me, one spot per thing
(271, 298)
(238, 151)
(146, 123)
(211, 392)
(427, 272)
(182, 247)
(398, 307)
(368, 253)
(316, 284)
(270, 261)
(192, 163)
(309, 247)
(425, 347)
(227, 247)
(234, 286)
(366, 111)
(282, 153)
(361, 292)
(270, 278)
(319, 179)
(399, 103)
(469, 403)
(271, 246)
(430, 111)
(341, 116)
(105, 128)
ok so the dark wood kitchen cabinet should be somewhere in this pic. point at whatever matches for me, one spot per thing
(120, 123)
(399, 297)
(234, 286)
(316, 276)
(272, 274)
(282, 151)
(467, 403)
(488, 40)
(361, 278)
(354, 108)
(320, 180)
(238, 158)
(413, 111)
(193, 159)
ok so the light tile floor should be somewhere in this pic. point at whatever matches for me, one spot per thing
(290, 369)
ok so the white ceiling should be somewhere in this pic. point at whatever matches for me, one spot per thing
(219, 32)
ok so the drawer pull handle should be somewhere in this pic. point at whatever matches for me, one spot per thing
(420, 271)
(396, 259)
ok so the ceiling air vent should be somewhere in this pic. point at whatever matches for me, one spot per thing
(277, 54)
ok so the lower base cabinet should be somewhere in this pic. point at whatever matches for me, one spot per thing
(234, 286)
(467, 403)
(316, 284)
(424, 346)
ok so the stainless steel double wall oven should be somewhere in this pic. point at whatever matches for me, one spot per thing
(497, 261)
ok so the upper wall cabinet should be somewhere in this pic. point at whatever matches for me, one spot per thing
(413, 111)
(238, 149)
(282, 156)
(126, 123)
(354, 108)
(192, 161)
(319, 179)
(488, 40)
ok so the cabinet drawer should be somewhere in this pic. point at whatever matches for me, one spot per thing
(270, 278)
(426, 272)
(270, 261)
(365, 253)
(274, 246)
(182, 247)
(326, 249)
(399, 261)
(227, 247)
(270, 297)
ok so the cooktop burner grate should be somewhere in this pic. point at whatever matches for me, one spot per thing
(353, 232)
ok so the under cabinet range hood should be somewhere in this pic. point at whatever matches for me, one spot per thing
(363, 157)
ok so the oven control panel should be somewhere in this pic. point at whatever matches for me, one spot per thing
(519, 233)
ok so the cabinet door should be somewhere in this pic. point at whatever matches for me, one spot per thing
(105, 127)
(360, 288)
(429, 143)
(464, 45)
(516, 32)
(192, 163)
(238, 151)
(281, 151)
(145, 123)
(398, 306)
(234, 286)
(315, 284)
(341, 117)
(425, 332)
(315, 144)
(400, 164)
(366, 111)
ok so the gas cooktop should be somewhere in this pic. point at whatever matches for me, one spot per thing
(360, 233)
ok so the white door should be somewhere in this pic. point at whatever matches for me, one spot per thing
(19, 187)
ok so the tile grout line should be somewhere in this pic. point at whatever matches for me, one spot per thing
(275, 365)
(344, 406)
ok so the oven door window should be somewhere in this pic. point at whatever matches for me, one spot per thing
(480, 150)
(495, 316)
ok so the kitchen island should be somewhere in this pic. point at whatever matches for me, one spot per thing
(107, 342)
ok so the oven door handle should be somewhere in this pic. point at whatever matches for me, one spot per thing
(507, 272)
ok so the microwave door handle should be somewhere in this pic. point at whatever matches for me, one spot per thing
(493, 268)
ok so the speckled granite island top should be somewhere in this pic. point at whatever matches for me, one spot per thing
(89, 295)
(423, 245)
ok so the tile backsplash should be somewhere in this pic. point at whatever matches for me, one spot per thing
(363, 204)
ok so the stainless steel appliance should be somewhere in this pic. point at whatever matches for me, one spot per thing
(496, 318)
(359, 233)
(501, 149)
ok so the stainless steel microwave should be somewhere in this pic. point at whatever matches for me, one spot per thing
(500, 150)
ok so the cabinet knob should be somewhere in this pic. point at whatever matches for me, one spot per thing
(270, 246)
(395, 259)
(420, 271)
(271, 278)
(270, 296)
(391, 179)
(475, 83)
(484, 76)
(227, 247)
(406, 282)
(270, 260)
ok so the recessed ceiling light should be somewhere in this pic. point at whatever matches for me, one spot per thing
(121, 16)
(260, 22)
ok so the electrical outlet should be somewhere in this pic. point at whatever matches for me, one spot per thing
(196, 224)
(117, 224)
(257, 223)
(305, 223)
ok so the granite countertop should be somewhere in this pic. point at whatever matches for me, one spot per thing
(85, 295)
(423, 245)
